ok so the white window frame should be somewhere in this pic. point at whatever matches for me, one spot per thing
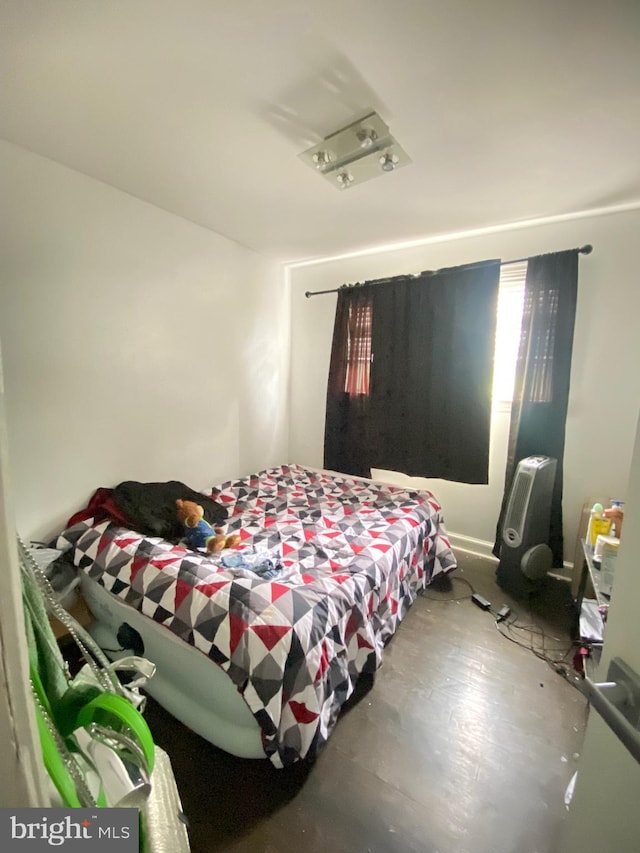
(508, 323)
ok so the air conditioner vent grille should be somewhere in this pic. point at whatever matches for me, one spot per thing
(525, 555)
(517, 508)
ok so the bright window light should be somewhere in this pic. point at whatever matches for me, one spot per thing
(510, 303)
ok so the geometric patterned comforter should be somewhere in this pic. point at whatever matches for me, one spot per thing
(354, 555)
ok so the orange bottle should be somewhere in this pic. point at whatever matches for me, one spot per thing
(616, 514)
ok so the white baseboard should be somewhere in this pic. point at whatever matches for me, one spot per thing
(563, 574)
(482, 548)
(479, 547)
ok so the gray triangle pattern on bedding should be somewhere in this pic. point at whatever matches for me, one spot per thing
(353, 556)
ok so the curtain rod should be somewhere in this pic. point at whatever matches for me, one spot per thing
(583, 250)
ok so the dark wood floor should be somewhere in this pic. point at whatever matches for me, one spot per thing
(463, 743)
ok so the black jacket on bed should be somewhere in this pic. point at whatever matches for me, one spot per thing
(151, 507)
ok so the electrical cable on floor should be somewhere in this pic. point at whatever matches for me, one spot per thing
(543, 652)
(559, 665)
(423, 593)
(532, 629)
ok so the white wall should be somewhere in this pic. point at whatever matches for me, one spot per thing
(605, 389)
(22, 780)
(136, 344)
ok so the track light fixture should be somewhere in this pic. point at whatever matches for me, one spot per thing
(344, 179)
(366, 137)
(388, 162)
(321, 159)
(357, 152)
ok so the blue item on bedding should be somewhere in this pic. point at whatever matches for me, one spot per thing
(198, 536)
(265, 564)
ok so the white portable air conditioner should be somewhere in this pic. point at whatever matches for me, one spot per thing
(525, 555)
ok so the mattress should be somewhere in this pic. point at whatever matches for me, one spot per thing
(349, 558)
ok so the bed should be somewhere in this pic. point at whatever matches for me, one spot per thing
(260, 664)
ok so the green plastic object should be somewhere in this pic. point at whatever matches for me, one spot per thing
(113, 712)
(62, 707)
(53, 761)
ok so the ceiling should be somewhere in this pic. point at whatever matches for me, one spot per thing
(509, 109)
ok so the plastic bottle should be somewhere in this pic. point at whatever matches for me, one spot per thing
(599, 525)
(595, 509)
(616, 514)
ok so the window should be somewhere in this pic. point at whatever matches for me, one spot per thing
(359, 349)
(541, 308)
(509, 320)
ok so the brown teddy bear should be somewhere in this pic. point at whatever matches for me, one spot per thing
(199, 533)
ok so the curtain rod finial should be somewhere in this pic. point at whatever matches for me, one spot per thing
(307, 293)
(586, 250)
